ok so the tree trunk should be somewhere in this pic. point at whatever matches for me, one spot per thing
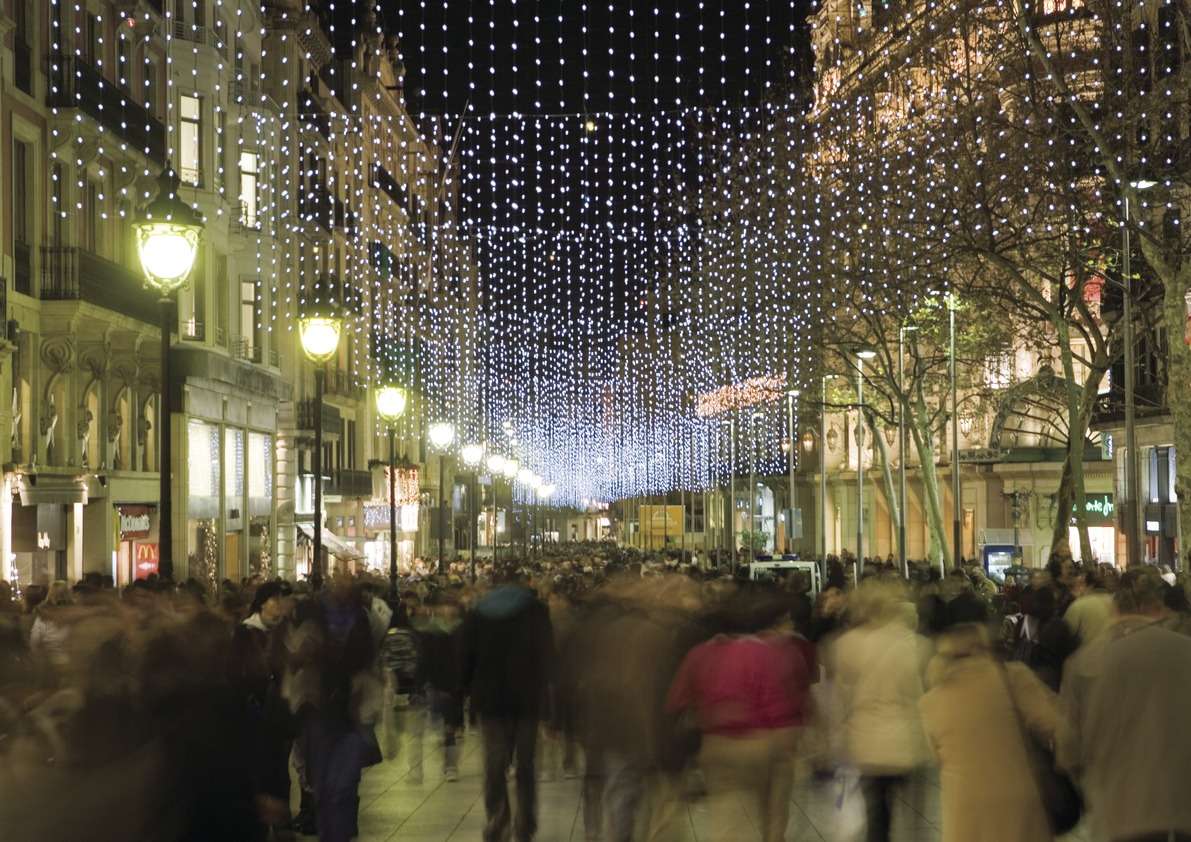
(1178, 374)
(924, 443)
(886, 473)
(1072, 482)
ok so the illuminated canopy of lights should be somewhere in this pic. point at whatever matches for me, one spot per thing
(611, 226)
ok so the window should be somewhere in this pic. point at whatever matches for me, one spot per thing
(190, 145)
(22, 218)
(20, 191)
(57, 183)
(90, 48)
(23, 41)
(91, 210)
(194, 328)
(221, 299)
(123, 64)
(248, 322)
(248, 196)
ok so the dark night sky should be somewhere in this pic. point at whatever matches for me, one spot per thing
(437, 56)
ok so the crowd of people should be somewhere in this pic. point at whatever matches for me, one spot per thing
(166, 712)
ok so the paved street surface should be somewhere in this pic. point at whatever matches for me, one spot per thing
(393, 806)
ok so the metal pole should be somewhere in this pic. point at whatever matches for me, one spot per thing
(752, 545)
(790, 466)
(732, 490)
(823, 479)
(442, 505)
(956, 488)
(165, 513)
(392, 513)
(1132, 488)
(474, 514)
(860, 468)
(316, 573)
(495, 518)
(901, 452)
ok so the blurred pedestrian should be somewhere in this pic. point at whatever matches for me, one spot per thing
(1124, 697)
(508, 652)
(973, 716)
(749, 691)
(878, 668)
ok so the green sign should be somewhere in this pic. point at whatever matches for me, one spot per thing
(1099, 509)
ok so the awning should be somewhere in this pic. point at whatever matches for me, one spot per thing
(332, 543)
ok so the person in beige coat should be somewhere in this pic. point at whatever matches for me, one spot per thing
(877, 667)
(989, 792)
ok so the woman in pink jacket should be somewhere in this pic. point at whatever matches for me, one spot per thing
(748, 691)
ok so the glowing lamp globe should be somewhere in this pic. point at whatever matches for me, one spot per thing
(390, 403)
(525, 476)
(472, 454)
(167, 237)
(442, 434)
(320, 336)
(511, 468)
(496, 463)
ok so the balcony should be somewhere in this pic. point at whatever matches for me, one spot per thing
(69, 273)
(246, 349)
(76, 84)
(313, 114)
(345, 483)
(193, 331)
(316, 206)
(339, 383)
(332, 420)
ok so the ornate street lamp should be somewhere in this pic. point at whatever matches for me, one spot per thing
(496, 467)
(167, 240)
(319, 329)
(390, 406)
(442, 436)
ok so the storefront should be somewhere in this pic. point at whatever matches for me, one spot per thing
(137, 551)
(1100, 514)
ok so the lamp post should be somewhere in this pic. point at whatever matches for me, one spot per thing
(956, 487)
(473, 455)
(319, 329)
(526, 477)
(823, 473)
(752, 547)
(731, 425)
(442, 436)
(901, 447)
(390, 406)
(511, 467)
(791, 399)
(1133, 515)
(496, 466)
(861, 355)
(167, 240)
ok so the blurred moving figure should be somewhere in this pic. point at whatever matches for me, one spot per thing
(973, 716)
(508, 653)
(616, 667)
(878, 670)
(1126, 695)
(748, 691)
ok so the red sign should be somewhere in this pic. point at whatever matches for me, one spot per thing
(147, 559)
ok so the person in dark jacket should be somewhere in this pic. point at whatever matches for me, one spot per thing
(508, 653)
(259, 644)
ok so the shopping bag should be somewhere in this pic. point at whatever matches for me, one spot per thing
(848, 803)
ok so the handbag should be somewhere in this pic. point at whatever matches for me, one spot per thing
(1060, 797)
